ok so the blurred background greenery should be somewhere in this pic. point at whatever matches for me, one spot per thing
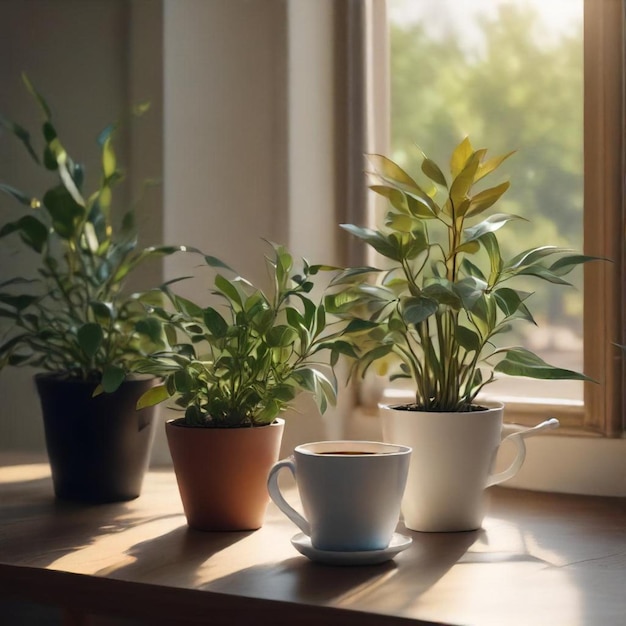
(508, 74)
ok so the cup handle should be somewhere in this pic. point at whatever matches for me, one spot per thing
(279, 500)
(518, 440)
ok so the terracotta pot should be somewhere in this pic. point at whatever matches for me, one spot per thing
(451, 464)
(99, 448)
(222, 473)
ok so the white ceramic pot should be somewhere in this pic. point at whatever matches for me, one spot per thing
(453, 455)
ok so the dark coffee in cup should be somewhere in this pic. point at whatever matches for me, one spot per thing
(350, 452)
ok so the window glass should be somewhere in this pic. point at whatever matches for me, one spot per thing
(509, 75)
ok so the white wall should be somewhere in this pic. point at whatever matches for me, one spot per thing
(248, 139)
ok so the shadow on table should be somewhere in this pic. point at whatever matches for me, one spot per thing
(387, 587)
(62, 527)
(177, 556)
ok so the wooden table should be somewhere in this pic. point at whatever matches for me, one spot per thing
(540, 559)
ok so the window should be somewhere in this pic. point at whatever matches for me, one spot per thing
(544, 78)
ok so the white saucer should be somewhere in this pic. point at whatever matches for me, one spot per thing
(302, 543)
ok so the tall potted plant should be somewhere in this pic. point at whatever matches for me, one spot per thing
(72, 319)
(234, 368)
(437, 310)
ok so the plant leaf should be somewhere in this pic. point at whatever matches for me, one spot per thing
(32, 232)
(431, 169)
(215, 323)
(419, 308)
(90, 337)
(459, 157)
(521, 362)
(112, 378)
(487, 198)
(153, 396)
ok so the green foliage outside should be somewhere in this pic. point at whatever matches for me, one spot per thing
(521, 91)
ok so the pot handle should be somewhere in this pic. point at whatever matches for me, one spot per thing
(518, 439)
(278, 498)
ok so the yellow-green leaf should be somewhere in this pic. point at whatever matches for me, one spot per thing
(108, 158)
(153, 396)
(389, 170)
(431, 169)
(459, 157)
(487, 198)
(490, 165)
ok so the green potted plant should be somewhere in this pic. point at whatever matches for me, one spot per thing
(72, 318)
(234, 368)
(437, 311)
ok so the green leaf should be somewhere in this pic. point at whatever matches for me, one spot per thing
(521, 362)
(228, 289)
(532, 256)
(153, 396)
(215, 323)
(467, 339)
(150, 327)
(431, 169)
(511, 301)
(22, 134)
(567, 263)
(400, 221)
(18, 302)
(183, 381)
(442, 291)
(352, 275)
(397, 198)
(41, 101)
(419, 308)
(21, 197)
(189, 308)
(539, 271)
(65, 212)
(217, 263)
(90, 337)
(320, 319)
(469, 247)
(490, 243)
(112, 378)
(490, 225)
(281, 336)
(32, 232)
(377, 240)
(104, 310)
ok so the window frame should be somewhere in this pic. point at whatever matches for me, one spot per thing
(604, 214)
(600, 413)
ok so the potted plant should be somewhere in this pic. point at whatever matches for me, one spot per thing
(234, 369)
(72, 319)
(437, 311)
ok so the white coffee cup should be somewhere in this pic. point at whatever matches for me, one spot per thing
(350, 492)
